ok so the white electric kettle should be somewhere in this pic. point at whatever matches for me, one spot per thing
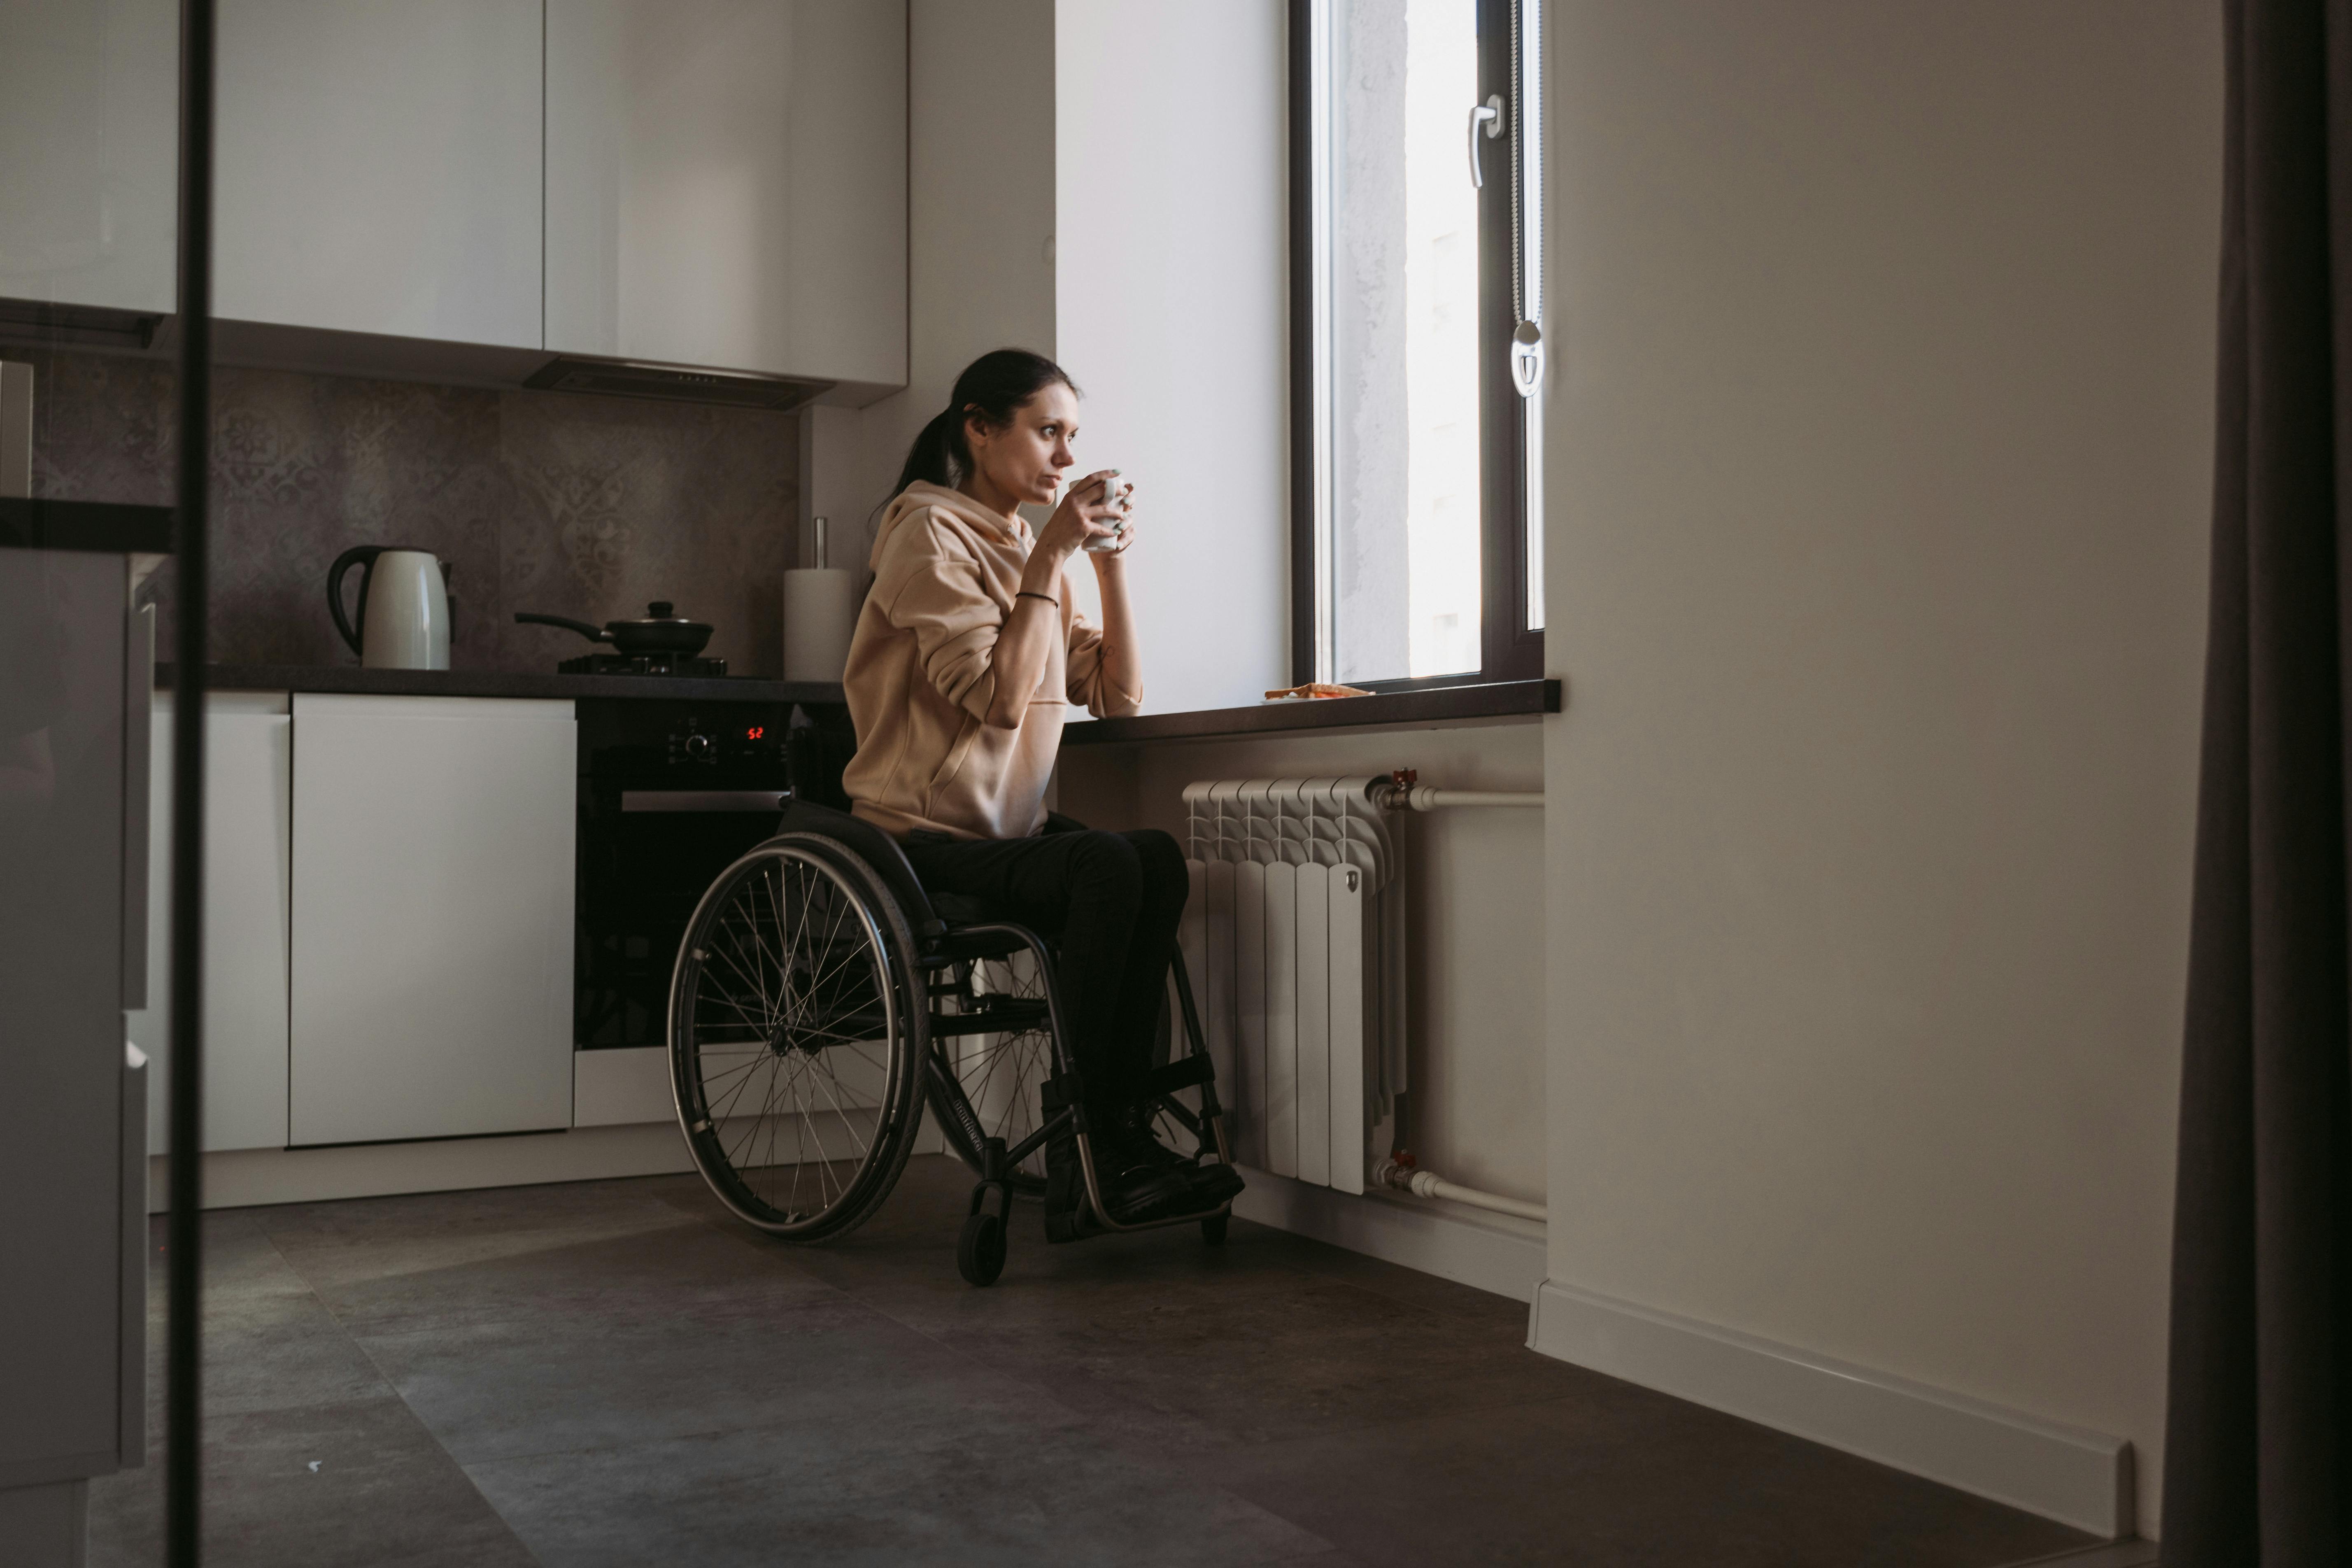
(404, 607)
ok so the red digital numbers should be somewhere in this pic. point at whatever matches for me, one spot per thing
(755, 733)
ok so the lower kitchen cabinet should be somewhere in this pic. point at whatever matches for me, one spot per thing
(432, 917)
(248, 823)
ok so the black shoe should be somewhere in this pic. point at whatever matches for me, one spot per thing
(1206, 1186)
(1133, 1127)
(1140, 1180)
(1137, 1176)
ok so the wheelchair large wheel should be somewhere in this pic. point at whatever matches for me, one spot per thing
(797, 1028)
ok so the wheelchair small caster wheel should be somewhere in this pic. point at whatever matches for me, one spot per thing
(1212, 1229)
(979, 1250)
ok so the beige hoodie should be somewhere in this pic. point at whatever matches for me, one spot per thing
(945, 572)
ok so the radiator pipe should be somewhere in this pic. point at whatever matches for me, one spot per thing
(1430, 1184)
(1405, 793)
(1428, 797)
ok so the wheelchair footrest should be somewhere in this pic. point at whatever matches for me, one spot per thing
(1081, 1225)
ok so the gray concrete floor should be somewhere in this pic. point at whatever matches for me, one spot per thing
(615, 1373)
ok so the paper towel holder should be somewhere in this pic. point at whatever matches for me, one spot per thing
(819, 526)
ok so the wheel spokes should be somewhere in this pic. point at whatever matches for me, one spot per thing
(791, 971)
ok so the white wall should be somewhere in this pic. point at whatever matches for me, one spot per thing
(980, 236)
(1880, 452)
(1171, 313)
(1103, 181)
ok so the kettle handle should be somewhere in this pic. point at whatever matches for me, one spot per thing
(363, 557)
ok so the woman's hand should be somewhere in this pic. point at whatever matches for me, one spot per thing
(1091, 509)
(1128, 527)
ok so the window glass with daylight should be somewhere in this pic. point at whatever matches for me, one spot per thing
(1418, 205)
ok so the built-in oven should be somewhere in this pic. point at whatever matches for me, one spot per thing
(671, 792)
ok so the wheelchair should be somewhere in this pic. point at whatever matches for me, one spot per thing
(820, 999)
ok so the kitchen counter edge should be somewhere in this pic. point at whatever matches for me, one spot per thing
(503, 683)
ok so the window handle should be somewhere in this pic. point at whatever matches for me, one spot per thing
(1490, 115)
(1527, 358)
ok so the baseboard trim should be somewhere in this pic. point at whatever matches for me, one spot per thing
(2076, 1476)
(246, 1178)
(1489, 1252)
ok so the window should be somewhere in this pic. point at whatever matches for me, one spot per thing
(1417, 357)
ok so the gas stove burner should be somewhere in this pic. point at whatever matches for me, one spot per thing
(643, 664)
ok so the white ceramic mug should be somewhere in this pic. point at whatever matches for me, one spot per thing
(1104, 545)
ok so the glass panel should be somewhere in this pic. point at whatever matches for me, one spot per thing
(1404, 301)
(1527, 144)
(1533, 408)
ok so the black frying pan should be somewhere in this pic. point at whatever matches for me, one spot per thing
(659, 632)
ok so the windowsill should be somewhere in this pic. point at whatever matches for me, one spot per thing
(1490, 700)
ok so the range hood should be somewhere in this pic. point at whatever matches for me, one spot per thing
(675, 382)
(40, 324)
(320, 351)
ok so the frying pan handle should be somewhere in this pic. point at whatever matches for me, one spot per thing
(593, 633)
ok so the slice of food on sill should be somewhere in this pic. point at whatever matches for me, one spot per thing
(1314, 690)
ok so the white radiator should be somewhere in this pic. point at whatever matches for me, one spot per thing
(1295, 937)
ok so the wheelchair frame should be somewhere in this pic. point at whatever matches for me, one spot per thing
(851, 852)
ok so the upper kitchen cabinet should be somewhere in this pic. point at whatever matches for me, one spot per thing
(726, 184)
(378, 167)
(89, 152)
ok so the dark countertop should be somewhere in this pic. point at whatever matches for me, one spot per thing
(1501, 698)
(98, 525)
(1492, 699)
(502, 683)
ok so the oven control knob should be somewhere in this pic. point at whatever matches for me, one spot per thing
(699, 747)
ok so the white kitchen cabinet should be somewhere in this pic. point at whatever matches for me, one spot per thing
(248, 825)
(89, 152)
(432, 917)
(727, 184)
(378, 167)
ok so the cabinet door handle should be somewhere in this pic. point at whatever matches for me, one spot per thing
(767, 800)
(138, 808)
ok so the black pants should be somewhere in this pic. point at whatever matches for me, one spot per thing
(1115, 897)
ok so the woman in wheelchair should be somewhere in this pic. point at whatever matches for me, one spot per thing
(947, 941)
(963, 660)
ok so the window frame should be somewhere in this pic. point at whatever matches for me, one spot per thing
(1509, 276)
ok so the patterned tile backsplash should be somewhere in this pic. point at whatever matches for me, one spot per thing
(586, 507)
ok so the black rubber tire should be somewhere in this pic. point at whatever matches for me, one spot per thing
(979, 1250)
(1212, 1229)
(889, 958)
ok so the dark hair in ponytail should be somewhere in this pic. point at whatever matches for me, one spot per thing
(992, 389)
